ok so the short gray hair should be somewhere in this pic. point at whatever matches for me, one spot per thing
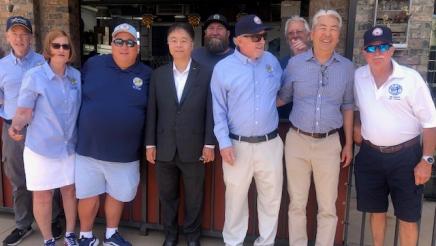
(324, 12)
(296, 18)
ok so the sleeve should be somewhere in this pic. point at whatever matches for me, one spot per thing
(348, 97)
(286, 90)
(28, 91)
(150, 129)
(220, 110)
(2, 93)
(422, 104)
(209, 138)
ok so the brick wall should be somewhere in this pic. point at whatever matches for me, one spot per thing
(418, 46)
(45, 15)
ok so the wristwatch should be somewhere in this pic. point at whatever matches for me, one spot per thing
(429, 159)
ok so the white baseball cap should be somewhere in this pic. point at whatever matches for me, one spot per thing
(124, 28)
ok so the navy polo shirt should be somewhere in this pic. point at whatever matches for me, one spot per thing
(112, 117)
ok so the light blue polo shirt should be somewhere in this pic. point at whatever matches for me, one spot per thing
(12, 70)
(55, 101)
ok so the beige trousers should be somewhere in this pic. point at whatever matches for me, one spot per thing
(263, 162)
(305, 156)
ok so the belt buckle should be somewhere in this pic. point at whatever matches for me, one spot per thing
(239, 138)
(384, 149)
(266, 137)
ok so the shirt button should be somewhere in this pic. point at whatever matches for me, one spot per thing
(317, 109)
(320, 81)
(319, 95)
(255, 122)
(317, 122)
(257, 109)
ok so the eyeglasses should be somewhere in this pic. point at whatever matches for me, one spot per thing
(120, 42)
(256, 37)
(382, 47)
(182, 42)
(57, 46)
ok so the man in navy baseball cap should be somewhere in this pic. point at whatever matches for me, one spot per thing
(18, 21)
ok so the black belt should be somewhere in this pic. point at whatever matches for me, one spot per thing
(254, 139)
(312, 134)
(7, 121)
(395, 148)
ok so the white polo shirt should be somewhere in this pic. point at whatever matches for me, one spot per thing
(398, 110)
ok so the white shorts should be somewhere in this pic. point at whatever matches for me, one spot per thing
(95, 177)
(44, 173)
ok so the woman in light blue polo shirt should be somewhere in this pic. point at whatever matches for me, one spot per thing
(48, 103)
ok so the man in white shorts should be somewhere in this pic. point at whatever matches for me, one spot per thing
(110, 134)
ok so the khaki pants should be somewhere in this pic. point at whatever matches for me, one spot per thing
(263, 161)
(306, 155)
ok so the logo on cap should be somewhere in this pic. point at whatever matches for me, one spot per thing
(216, 17)
(377, 32)
(257, 20)
(123, 27)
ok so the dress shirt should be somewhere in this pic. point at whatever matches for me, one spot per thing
(55, 101)
(12, 70)
(244, 95)
(180, 78)
(398, 110)
(318, 92)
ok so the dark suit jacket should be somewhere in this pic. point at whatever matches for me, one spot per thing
(184, 127)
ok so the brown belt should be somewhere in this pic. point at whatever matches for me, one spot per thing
(395, 148)
(314, 135)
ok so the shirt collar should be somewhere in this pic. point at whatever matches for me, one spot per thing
(26, 58)
(244, 59)
(183, 72)
(309, 56)
(397, 71)
(133, 68)
(51, 75)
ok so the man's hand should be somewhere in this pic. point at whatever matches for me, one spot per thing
(15, 133)
(208, 154)
(228, 155)
(347, 155)
(151, 155)
(298, 46)
(422, 172)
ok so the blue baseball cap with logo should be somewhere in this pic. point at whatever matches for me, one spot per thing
(377, 33)
(18, 21)
(125, 28)
(250, 24)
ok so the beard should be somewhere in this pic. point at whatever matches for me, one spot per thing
(216, 45)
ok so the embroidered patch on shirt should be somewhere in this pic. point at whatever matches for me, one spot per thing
(137, 83)
(395, 90)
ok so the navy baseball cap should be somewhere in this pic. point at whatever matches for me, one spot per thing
(18, 21)
(377, 33)
(216, 18)
(249, 24)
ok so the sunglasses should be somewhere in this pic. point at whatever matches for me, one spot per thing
(57, 46)
(120, 42)
(382, 47)
(256, 37)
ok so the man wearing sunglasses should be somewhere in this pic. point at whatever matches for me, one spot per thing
(320, 84)
(12, 68)
(216, 42)
(110, 134)
(244, 86)
(394, 109)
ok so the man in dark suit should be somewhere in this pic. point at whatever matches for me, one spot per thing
(179, 133)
